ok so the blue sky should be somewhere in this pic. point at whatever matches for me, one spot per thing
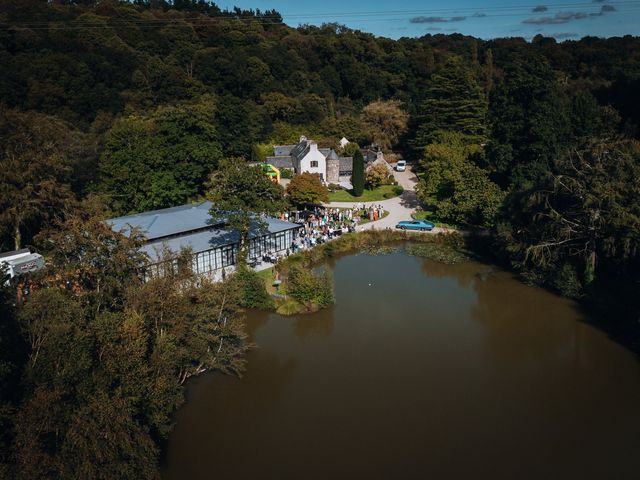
(569, 19)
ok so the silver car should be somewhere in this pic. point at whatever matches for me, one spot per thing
(401, 165)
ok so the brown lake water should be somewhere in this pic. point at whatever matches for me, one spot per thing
(420, 370)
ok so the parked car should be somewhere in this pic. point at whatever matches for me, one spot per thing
(401, 165)
(415, 225)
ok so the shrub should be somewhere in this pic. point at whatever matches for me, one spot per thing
(310, 289)
(253, 293)
(378, 175)
(288, 306)
(567, 282)
(286, 173)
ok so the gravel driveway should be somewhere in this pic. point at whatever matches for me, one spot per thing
(399, 208)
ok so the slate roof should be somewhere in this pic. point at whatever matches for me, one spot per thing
(300, 150)
(329, 153)
(280, 161)
(346, 164)
(282, 150)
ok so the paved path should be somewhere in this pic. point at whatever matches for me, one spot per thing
(399, 208)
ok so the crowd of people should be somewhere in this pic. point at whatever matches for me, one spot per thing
(322, 224)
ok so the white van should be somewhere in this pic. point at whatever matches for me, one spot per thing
(401, 165)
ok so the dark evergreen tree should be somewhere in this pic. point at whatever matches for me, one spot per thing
(530, 125)
(357, 178)
(454, 101)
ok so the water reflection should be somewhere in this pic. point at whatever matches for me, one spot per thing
(420, 370)
(314, 325)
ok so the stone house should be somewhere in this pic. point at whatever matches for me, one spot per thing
(305, 156)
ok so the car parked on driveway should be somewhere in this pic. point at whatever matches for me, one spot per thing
(415, 225)
(401, 165)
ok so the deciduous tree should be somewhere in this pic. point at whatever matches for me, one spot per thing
(36, 173)
(307, 188)
(378, 174)
(241, 194)
(460, 191)
(159, 161)
(385, 121)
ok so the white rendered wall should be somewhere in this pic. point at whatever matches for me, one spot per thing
(314, 155)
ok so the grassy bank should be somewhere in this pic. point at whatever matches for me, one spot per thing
(317, 288)
(373, 240)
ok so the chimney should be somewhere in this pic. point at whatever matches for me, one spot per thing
(302, 138)
(313, 146)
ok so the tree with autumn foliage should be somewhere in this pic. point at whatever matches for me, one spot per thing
(385, 121)
(307, 188)
(102, 356)
(36, 155)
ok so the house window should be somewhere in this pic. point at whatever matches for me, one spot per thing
(314, 163)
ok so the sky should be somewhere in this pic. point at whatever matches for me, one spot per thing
(569, 19)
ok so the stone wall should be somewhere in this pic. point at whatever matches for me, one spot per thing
(333, 171)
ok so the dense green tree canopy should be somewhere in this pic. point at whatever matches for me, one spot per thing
(530, 122)
(241, 194)
(101, 356)
(460, 191)
(37, 158)
(159, 161)
(454, 101)
(138, 102)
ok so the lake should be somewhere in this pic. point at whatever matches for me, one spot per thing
(420, 370)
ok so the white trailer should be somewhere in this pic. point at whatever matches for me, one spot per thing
(20, 262)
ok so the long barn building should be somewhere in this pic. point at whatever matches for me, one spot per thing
(213, 245)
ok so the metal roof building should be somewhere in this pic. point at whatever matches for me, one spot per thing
(191, 226)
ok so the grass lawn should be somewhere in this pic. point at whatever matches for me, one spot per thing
(367, 196)
(267, 276)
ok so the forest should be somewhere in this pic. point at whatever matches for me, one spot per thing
(114, 107)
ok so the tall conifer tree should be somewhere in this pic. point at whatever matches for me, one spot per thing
(358, 173)
(455, 102)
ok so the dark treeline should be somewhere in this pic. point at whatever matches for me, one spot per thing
(115, 107)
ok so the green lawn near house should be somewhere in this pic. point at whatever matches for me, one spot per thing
(384, 192)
